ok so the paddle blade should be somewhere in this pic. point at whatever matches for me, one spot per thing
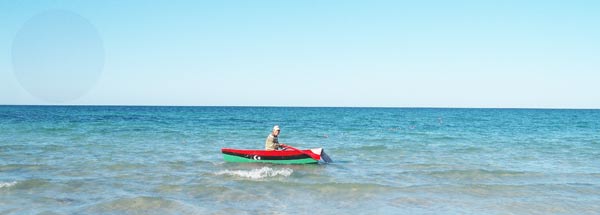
(325, 157)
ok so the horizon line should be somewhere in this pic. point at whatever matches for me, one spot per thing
(292, 106)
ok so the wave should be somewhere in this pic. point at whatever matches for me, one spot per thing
(261, 173)
(7, 184)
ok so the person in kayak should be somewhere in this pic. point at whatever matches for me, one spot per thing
(272, 142)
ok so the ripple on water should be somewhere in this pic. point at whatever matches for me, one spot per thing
(143, 205)
(31, 184)
(23, 167)
(479, 174)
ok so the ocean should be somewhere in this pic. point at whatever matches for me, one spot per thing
(167, 160)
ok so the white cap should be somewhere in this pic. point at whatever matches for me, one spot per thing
(276, 128)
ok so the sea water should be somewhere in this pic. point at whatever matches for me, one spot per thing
(167, 160)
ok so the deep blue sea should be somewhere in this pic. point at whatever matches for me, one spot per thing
(167, 160)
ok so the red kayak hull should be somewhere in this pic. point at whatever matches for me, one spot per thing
(272, 156)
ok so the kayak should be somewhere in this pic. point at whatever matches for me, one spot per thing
(287, 156)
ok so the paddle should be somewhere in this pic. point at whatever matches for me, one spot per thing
(313, 156)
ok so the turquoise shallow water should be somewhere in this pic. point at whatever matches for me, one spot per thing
(166, 160)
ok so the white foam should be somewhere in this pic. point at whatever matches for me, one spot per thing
(7, 184)
(258, 173)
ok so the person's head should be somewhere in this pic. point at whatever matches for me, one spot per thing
(276, 130)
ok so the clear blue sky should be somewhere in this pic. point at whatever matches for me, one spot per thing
(325, 53)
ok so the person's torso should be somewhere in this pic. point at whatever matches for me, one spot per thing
(273, 138)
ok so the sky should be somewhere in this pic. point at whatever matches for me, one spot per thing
(489, 54)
